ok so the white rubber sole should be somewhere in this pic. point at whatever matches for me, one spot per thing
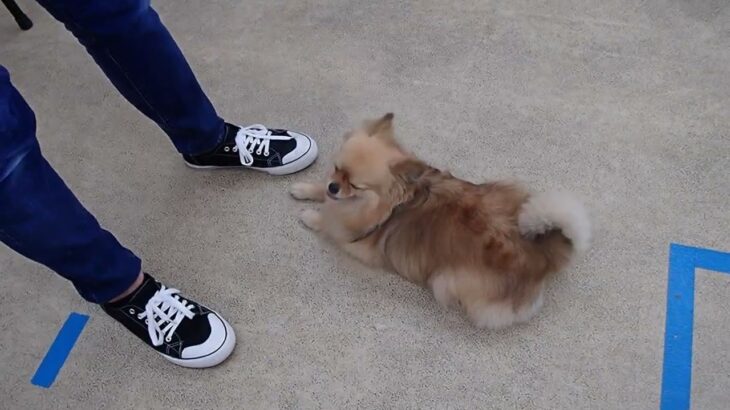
(293, 167)
(212, 359)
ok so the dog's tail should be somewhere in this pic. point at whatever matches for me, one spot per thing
(552, 211)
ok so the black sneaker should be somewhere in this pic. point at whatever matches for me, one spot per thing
(182, 331)
(274, 151)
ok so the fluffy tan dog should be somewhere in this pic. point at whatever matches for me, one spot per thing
(488, 248)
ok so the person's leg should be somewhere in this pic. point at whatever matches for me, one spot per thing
(135, 50)
(140, 57)
(42, 219)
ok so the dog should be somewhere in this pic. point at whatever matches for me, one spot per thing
(486, 248)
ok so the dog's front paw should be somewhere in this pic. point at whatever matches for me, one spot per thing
(311, 219)
(307, 191)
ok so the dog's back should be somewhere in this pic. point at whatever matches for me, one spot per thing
(485, 247)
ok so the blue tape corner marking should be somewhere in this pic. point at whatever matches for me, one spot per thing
(677, 367)
(59, 350)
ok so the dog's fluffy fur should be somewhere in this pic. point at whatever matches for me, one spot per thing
(487, 248)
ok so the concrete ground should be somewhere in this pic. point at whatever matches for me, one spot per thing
(625, 103)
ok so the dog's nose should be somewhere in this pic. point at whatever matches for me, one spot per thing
(333, 187)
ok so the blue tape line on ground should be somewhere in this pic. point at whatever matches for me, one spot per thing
(677, 367)
(59, 350)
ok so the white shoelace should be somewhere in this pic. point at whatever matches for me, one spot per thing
(249, 137)
(163, 313)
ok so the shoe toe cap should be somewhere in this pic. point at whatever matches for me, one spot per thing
(221, 334)
(305, 145)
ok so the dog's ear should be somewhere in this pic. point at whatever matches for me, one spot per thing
(381, 128)
(409, 175)
(409, 171)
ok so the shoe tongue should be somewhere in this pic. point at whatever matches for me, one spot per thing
(230, 135)
(140, 296)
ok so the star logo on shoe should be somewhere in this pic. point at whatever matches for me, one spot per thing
(175, 348)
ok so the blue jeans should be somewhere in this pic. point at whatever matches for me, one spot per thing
(39, 216)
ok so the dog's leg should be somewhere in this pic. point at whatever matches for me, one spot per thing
(442, 286)
(491, 315)
(365, 252)
(308, 191)
(530, 308)
(312, 219)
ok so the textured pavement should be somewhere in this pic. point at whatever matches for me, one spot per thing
(625, 103)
